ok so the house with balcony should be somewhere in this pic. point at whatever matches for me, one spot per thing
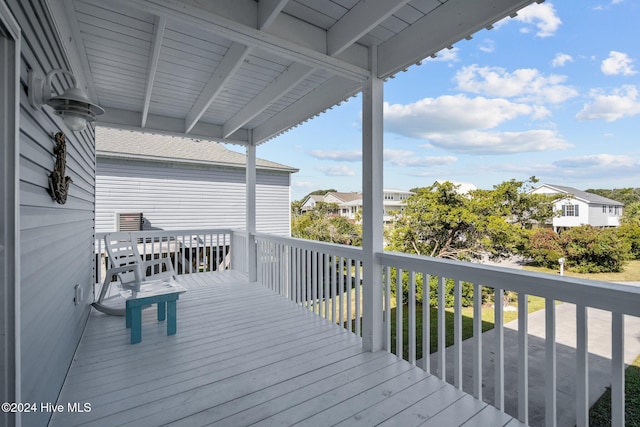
(576, 207)
(275, 336)
(349, 205)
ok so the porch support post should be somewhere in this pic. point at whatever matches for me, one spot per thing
(252, 258)
(372, 207)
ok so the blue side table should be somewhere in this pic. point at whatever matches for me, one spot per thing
(164, 294)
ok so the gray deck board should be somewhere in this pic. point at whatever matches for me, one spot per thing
(244, 355)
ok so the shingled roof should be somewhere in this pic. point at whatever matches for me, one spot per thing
(148, 146)
(583, 195)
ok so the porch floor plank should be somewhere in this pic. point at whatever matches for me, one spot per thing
(245, 355)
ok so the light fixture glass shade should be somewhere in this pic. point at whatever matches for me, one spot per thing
(73, 105)
(75, 123)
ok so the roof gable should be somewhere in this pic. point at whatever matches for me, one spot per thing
(141, 145)
(590, 198)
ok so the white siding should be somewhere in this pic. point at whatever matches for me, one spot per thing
(571, 221)
(174, 196)
(56, 240)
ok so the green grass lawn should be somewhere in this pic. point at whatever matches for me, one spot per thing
(600, 412)
(631, 273)
(535, 303)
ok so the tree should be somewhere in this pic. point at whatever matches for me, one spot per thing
(622, 195)
(593, 250)
(439, 221)
(322, 225)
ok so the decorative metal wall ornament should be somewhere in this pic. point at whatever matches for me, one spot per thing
(58, 183)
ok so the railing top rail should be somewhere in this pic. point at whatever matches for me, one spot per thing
(167, 233)
(608, 296)
(352, 252)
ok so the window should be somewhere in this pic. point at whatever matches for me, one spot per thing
(570, 210)
(604, 208)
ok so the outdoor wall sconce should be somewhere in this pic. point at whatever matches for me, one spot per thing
(73, 105)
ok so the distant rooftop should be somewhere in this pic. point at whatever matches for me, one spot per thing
(148, 146)
(579, 194)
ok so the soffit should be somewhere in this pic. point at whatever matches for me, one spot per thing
(244, 71)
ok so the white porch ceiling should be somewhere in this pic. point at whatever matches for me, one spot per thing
(244, 71)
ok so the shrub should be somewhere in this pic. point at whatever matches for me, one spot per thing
(467, 290)
(545, 248)
(630, 233)
(592, 250)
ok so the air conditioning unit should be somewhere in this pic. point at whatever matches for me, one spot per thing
(129, 221)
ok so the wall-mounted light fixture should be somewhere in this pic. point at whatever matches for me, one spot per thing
(73, 105)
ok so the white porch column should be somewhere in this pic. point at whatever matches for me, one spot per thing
(372, 207)
(252, 258)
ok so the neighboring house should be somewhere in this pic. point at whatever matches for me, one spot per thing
(180, 183)
(576, 207)
(350, 204)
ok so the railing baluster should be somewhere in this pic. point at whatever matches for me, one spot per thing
(387, 308)
(307, 277)
(314, 280)
(442, 354)
(477, 341)
(582, 366)
(523, 358)
(550, 369)
(334, 264)
(499, 348)
(457, 334)
(217, 253)
(617, 370)
(412, 317)
(399, 330)
(358, 297)
(348, 284)
(426, 322)
(341, 289)
(325, 279)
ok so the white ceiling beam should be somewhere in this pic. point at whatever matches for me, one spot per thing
(251, 37)
(442, 27)
(324, 96)
(130, 120)
(268, 10)
(158, 32)
(362, 18)
(230, 63)
(66, 23)
(279, 87)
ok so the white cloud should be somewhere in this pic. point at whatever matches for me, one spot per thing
(479, 142)
(407, 158)
(617, 63)
(622, 102)
(446, 55)
(525, 84)
(461, 124)
(341, 170)
(304, 184)
(561, 59)
(487, 46)
(598, 161)
(452, 113)
(543, 16)
(338, 156)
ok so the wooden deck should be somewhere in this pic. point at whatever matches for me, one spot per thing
(244, 355)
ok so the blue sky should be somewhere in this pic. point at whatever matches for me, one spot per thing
(552, 92)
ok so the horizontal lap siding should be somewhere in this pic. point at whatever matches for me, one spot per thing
(175, 196)
(56, 240)
(273, 203)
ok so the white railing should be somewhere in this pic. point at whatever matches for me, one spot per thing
(323, 277)
(617, 299)
(317, 276)
(191, 251)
